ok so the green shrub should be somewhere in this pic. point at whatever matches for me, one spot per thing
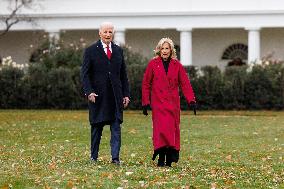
(233, 96)
(37, 86)
(275, 73)
(208, 88)
(61, 89)
(258, 89)
(135, 76)
(193, 76)
(133, 58)
(80, 101)
(53, 81)
(59, 55)
(12, 89)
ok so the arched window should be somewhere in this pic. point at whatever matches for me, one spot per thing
(236, 51)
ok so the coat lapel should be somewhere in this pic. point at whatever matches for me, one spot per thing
(171, 68)
(163, 74)
(166, 77)
(99, 47)
(162, 69)
(114, 50)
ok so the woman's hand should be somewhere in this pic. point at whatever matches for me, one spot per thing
(145, 108)
(192, 105)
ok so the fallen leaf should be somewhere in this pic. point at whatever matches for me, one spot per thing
(70, 184)
(229, 157)
(213, 185)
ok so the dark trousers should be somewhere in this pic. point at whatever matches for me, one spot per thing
(115, 139)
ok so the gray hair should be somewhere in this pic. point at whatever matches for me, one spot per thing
(106, 24)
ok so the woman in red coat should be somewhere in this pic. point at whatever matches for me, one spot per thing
(162, 79)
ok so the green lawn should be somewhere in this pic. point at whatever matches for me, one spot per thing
(50, 149)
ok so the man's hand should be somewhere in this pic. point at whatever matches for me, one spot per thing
(126, 101)
(192, 105)
(92, 97)
(145, 108)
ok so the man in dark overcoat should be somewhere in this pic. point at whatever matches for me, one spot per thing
(106, 85)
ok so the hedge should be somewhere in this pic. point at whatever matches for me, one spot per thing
(53, 81)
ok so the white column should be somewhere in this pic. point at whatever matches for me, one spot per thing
(53, 35)
(253, 44)
(119, 37)
(186, 46)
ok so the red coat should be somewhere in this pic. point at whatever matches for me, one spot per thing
(161, 91)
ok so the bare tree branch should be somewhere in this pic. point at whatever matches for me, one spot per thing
(13, 18)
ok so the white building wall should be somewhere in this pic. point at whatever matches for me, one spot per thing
(145, 41)
(215, 24)
(135, 6)
(74, 36)
(272, 41)
(209, 45)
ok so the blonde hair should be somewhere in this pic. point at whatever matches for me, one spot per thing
(172, 47)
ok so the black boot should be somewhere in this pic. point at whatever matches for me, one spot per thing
(172, 155)
(161, 160)
(168, 157)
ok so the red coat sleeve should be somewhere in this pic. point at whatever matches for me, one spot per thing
(185, 85)
(147, 85)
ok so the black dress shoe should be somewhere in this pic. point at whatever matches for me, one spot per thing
(161, 164)
(93, 160)
(115, 161)
(169, 164)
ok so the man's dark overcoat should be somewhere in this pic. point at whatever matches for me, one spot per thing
(108, 79)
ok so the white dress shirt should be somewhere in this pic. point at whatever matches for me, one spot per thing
(105, 47)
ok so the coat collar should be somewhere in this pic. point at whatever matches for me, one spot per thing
(105, 45)
(172, 63)
(99, 47)
(159, 60)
